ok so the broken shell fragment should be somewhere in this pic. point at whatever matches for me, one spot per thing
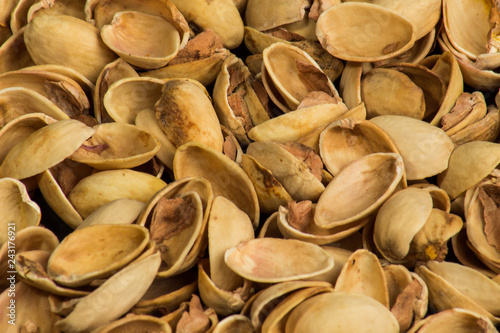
(133, 323)
(458, 320)
(119, 211)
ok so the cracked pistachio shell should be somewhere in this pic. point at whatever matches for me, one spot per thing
(45, 148)
(234, 323)
(454, 320)
(95, 252)
(18, 211)
(143, 40)
(47, 39)
(425, 148)
(453, 285)
(126, 97)
(346, 140)
(136, 323)
(117, 146)
(342, 311)
(13, 53)
(350, 84)
(268, 260)
(364, 32)
(185, 113)
(62, 7)
(117, 294)
(119, 211)
(97, 189)
(469, 164)
(264, 15)
(225, 176)
(377, 175)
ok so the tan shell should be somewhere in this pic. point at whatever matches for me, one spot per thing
(340, 257)
(225, 176)
(343, 31)
(119, 211)
(350, 84)
(66, 7)
(268, 260)
(378, 174)
(425, 149)
(135, 323)
(45, 148)
(85, 42)
(143, 40)
(234, 323)
(73, 262)
(13, 53)
(458, 320)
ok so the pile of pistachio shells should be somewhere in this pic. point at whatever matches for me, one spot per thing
(249, 166)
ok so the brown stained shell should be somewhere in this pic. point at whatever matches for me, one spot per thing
(117, 146)
(343, 30)
(185, 114)
(119, 211)
(234, 323)
(376, 174)
(74, 262)
(268, 260)
(469, 164)
(295, 166)
(143, 40)
(117, 294)
(44, 148)
(346, 140)
(111, 185)
(13, 53)
(126, 97)
(343, 311)
(289, 74)
(294, 125)
(456, 320)
(46, 30)
(134, 323)
(425, 149)
(18, 210)
(225, 176)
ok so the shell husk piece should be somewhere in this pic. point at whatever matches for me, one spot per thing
(350, 84)
(267, 260)
(469, 164)
(119, 211)
(440, 198)
(338, 26)
(125, 36)
(13, 53)
(225, 176)
(263, 15)
(60, 7)
(453, 285)
(73, 263)
(346, 140)
(234, 323)
(227, 227)
(126, 97)
(32, 269)
(122, 290)
(44, 148)
(111, 185)
(270, 192)
(340, 257)
(185, 113)
(291, 171)
(224, 302)
(341, 310)
(363, 274)
(18, 210)
(456, 320)
(135, 323)
(378, 174)
(32, 310)
(427, 158)
(222, 17)
(270, 227)
(46, 30)
(117, 146)
(294, 125)
(17, 101)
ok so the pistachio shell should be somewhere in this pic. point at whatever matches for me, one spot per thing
(119, 211)
(234, 323)
(13, 53)
(264, 15)
(135, 323)
(456, 320)
(350, 84)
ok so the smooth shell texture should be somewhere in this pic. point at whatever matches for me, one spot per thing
(364, 32)
(137, 323)
(455, 320)
(268, 260)
(96, 252)
(119, 211)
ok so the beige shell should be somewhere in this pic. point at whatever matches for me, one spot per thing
(86, 53)
(364, 32)
(143, 40)
(66, 7)
(268, 260)
(45, 148)
(13, 53)
(226, 177)
(340, 257)
(234, 323)
(350, 83)
(377, 174)
(343, 311)
(135, 323)
(119, 211)
(117, 294)
(74, 262)
(456, 320)
(425, 149)
(117, 146)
